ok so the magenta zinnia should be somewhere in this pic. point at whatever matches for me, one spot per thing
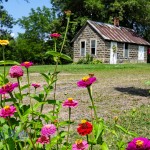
(7, 111)
(15, 71)
(80, 145)
(35, 85)
(139, 143)
(26, 64)
(48, 130)
(43, 140)
(70, 103)
(55, 35)
(86, 81)
(8, 88)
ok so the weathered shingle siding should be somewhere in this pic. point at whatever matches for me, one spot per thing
(87, 34)
(103, 48)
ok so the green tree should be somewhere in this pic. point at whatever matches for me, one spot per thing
(132, 13)
(36, 40)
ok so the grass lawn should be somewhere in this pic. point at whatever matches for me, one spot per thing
(119, 91)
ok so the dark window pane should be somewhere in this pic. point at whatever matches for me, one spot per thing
(82, 44)
(93, 51)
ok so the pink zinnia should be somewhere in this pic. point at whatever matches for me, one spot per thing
(43, 140)
(15, 71)
(55, 35)
(8, 88)
(48, 130)
(35, 85)
(70, 103)
(27, 64)
(86, 81)
(7, 111)
(139, 143)
(80, 145)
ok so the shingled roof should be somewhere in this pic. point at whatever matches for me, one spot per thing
(114, 33)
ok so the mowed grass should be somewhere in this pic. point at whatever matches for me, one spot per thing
(126, 78)
(86, 68)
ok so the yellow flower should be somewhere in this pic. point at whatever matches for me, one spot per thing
(4, 42)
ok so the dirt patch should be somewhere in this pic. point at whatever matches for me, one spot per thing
(113, 93)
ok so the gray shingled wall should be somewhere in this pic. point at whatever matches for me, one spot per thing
(103, 48)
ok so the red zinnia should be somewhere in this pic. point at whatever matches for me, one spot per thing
(27, 64)
(43, 140)
(55, 35)
(84, 128)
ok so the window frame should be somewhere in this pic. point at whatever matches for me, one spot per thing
(125, 50)
(92, 47)
(83, 40)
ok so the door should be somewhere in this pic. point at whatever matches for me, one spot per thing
(113, 53)
(141, 53)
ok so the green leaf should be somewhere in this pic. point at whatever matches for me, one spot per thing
(11, 143)
(37, 98)
(122, 128)
(60, 55)
(9, 62)
(66, 57)
(104, 146)
(46, 77)
(25, 86)
(1, 145)
(18, 96)
(147, 83)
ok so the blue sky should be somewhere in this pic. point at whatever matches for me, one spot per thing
(19, 8)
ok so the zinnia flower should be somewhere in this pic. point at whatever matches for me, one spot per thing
(8, 88)
(4, 42)
(48, 130)
(86, 81)
(27, 64)
(84, 128)
(55, 35)
(68, 13)
(35, 85)
(15, 71)
(7, 111)
(70, 103)
(80, 145)
(43, 140)
(139, 143)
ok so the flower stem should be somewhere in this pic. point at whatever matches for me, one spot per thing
(4, 65)
(87, 137)
(20, 100)
(68, 21)
(69, 124)
(90, 94)
(1, 103)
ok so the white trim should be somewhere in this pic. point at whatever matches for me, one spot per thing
(141, 53)
(95, 46)
(83, 40)
(113, 55)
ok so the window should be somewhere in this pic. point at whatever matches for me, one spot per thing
(83, 48)
(126, 50)
(93, 47)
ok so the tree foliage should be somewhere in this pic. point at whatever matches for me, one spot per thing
(36, 40)
(132, 13)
